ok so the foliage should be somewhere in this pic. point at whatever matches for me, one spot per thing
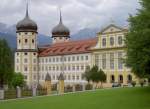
(133, 83)
(97, 75)
(17, 80)
(142, 82)
(87, 74)
(6, 63)
(138, 41)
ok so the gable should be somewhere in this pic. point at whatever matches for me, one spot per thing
(111, 28)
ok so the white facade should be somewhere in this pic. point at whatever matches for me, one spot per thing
(72, 66)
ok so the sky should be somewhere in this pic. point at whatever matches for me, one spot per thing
(77, 14)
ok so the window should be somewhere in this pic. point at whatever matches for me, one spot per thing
(25, 68)
(68, 67)
(77, 67)
(120, 62)
(34, 60)
(111, 60)
(32, 33)
(42, 68)
(96, 60)
(111, 41)
(19, 41)
(49, 59)
(57, 68)
(77, 58)
(120, 79)
(73, 58)
(82, 58)
(104, 42)
(50, 68)
(112, 79)
(25, 77)
(73, 77)
(54, 68)
(25, 60)
(34, 68)
(32, 40)
(68, 58)
(26, 40)
(73, 67)
(46, 60)
(25, 53)
(26, 33)
(68, 77)
(104, 61)
(34, 54)
(57, 59)
(64, 59)
(17, 54)
(53, 59)
(120, 40)
(86, 57)
(77, 77)
(82, 67)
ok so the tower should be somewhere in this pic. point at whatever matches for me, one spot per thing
(27, 51)
(60, 33)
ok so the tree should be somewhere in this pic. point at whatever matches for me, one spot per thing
(97, 75)
(87, 74)
(6, 63)
(138, 41)
(102, 76)
(17, 80)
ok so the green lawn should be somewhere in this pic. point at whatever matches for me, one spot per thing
(124, 98)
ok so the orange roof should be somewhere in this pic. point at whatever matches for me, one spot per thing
(66, 48)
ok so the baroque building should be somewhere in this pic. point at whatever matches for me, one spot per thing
(70, 58)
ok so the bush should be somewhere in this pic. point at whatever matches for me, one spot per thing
(68, 88)
(78, 87)
(142, 83)
(133, 83)
(88, 87)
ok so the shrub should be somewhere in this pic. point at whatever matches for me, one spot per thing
(133, 83)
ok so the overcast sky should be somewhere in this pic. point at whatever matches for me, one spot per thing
(77, 14)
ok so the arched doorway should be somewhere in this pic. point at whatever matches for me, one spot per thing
(129, 79)
(120, 79)
(112, 78)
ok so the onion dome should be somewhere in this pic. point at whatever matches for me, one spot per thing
(60, 30)
(26, 25)
(61, 77)
(48, 77)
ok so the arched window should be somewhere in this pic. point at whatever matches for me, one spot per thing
(104, 42)
(112, 78)
(26, 40)
(111, 41)
(120, 79)
(129, 78)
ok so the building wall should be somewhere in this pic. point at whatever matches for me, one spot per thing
(73, 66)
(108, 55)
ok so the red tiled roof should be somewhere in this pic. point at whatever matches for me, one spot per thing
(66, 48)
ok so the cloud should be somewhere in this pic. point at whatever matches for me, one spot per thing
(77, 14)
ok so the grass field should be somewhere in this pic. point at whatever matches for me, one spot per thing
(124, 98)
